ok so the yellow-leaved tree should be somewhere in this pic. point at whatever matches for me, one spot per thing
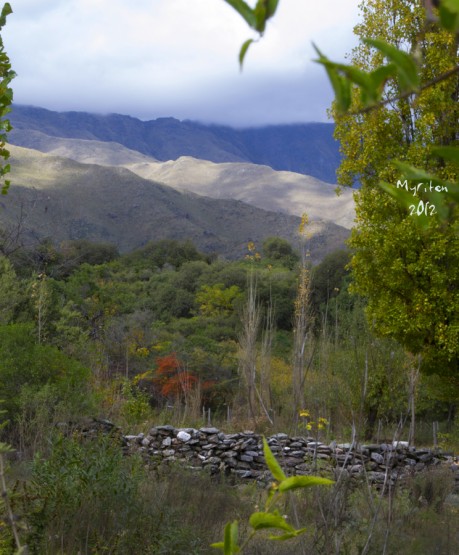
(408, 273)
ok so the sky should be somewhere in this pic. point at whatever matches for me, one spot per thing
(176, 58)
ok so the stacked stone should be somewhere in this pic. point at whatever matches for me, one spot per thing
(384, 463)
(241, 454)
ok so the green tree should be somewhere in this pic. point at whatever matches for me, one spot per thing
(327, 280)
(276, 250)
(164, 252)
(216, 300)
(409, 274)
(81, 251)
(9, 290)
(24, 363)
(41, 258)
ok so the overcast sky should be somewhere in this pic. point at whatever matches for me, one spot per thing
(155, 58)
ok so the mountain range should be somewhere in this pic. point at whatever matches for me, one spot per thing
(302, 148)
(76, 185)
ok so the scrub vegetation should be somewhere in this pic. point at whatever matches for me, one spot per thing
(363, 345)
(157, 336)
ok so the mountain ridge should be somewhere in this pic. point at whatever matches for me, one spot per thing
(255, 184)
(63, 199)
(260, 186)
(307, 148)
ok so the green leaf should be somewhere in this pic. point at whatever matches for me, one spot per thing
(416, 174)
(272, 463)
(260, 16)
(233, 537)
(295, 482)
(6, 11)
(453, 191)
(403, 197)
(369, 92)
(407, 69)
(5, 448)
(352, 73)
(356, 75)
(405, 200)
(244, 10)
(380, 76)
(411, 173)
(288, 535)
(5, 187)
(271, 7)
(263, 11)
(450, 153)
(229, 546)
(243, 51)
(440, 199)
(342, 89)
(341, 85)
(449, 14)
(259, 521)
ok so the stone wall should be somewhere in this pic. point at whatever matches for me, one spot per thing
(241, 454)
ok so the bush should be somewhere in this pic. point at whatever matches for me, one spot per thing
(87, 497)
(26, 365)
(80, 496)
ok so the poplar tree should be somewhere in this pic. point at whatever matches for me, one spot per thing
(408, 273)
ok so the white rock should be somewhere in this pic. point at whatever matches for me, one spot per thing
(167, 442)
(400, 444)
(184, 436)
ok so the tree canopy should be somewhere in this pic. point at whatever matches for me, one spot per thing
(408, 273)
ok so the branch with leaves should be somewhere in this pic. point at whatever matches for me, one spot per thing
(270, 518)
(256, 18)
(6, 99)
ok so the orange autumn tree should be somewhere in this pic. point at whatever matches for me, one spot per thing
(172, 378)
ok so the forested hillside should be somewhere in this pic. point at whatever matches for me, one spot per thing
(59, 199)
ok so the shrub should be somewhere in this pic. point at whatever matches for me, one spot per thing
(87, 497)
(28, 365)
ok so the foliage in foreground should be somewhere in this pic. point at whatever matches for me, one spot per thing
(86, 497)
(270, 519)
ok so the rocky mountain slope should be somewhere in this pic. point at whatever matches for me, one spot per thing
(259, 185)
(63, 199)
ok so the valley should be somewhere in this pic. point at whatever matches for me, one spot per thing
(156, 280)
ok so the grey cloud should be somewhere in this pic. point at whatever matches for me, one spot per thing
(266, 99)
(248, 101)
(65, 74)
